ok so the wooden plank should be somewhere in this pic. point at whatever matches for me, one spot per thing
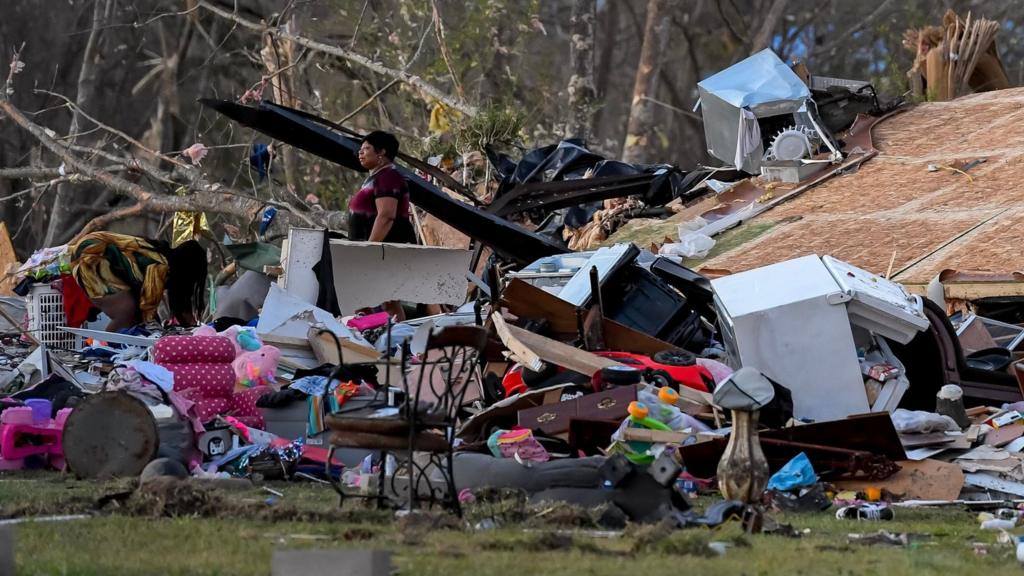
(527, 301)
(924, 480)
(919, 440)
(655, 436)
(8, 260)
(326, 351)
(288, 341)
(980, 410)
(972, 290)
(533, 350)
(1002, 436)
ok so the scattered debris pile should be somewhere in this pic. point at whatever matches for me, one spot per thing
(615, 381)
(955, 59)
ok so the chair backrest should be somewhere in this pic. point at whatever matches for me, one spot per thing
(450, 364)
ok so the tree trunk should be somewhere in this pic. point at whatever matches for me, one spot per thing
(62, 205)
(636, 146)
(609, 41)
(581, 56)
(279, 58)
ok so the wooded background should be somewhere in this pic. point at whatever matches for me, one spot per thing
(100, 96)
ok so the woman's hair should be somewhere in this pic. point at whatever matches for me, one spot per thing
(384, 142)
(186, 281)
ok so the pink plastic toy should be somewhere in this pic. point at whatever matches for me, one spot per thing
(22, 436)
(257, 368)
(369, 322)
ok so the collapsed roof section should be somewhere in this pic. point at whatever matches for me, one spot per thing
(941, 195)
(313, 135)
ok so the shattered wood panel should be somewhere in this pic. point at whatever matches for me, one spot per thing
(8, 263)
(935, 220)
(437, 233)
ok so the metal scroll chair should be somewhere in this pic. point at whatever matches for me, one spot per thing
(419, 432)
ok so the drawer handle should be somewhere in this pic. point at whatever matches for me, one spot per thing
(546, 417)
(607, 403)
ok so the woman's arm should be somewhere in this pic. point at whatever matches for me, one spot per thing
(387, 209)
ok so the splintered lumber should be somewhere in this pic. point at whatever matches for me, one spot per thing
(527, 301)
(533, 350)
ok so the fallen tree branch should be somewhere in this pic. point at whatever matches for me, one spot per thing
(368, 101)
(102, 221)
(30, 172)
(201, 197)
(425, 87)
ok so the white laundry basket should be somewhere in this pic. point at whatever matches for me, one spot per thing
(46, 316)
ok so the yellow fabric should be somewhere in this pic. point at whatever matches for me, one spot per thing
(106, 263)
(187, 226)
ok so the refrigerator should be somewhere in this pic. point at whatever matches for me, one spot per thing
(794, 322)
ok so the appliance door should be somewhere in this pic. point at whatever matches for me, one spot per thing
(877, 304)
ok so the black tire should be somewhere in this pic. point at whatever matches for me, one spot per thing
(674, 358)
(621, 375)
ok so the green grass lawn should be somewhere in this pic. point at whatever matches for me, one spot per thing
(239, 531)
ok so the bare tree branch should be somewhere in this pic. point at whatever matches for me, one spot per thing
(842, 35)
(201, 196)
(30, 172)
(111, 129)
(425, 87)
(763, 38)
(85, 91)
(368, 101)
(439, 31)
(102, 221)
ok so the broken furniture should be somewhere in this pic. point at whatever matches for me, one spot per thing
(419, 430)
(630, 294)
(861, 446)
(988, 344)
(799, 323)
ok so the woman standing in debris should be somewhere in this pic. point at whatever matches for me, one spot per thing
(126, 277)
(379, 211)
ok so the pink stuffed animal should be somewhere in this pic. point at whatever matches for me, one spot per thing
(256, 368)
